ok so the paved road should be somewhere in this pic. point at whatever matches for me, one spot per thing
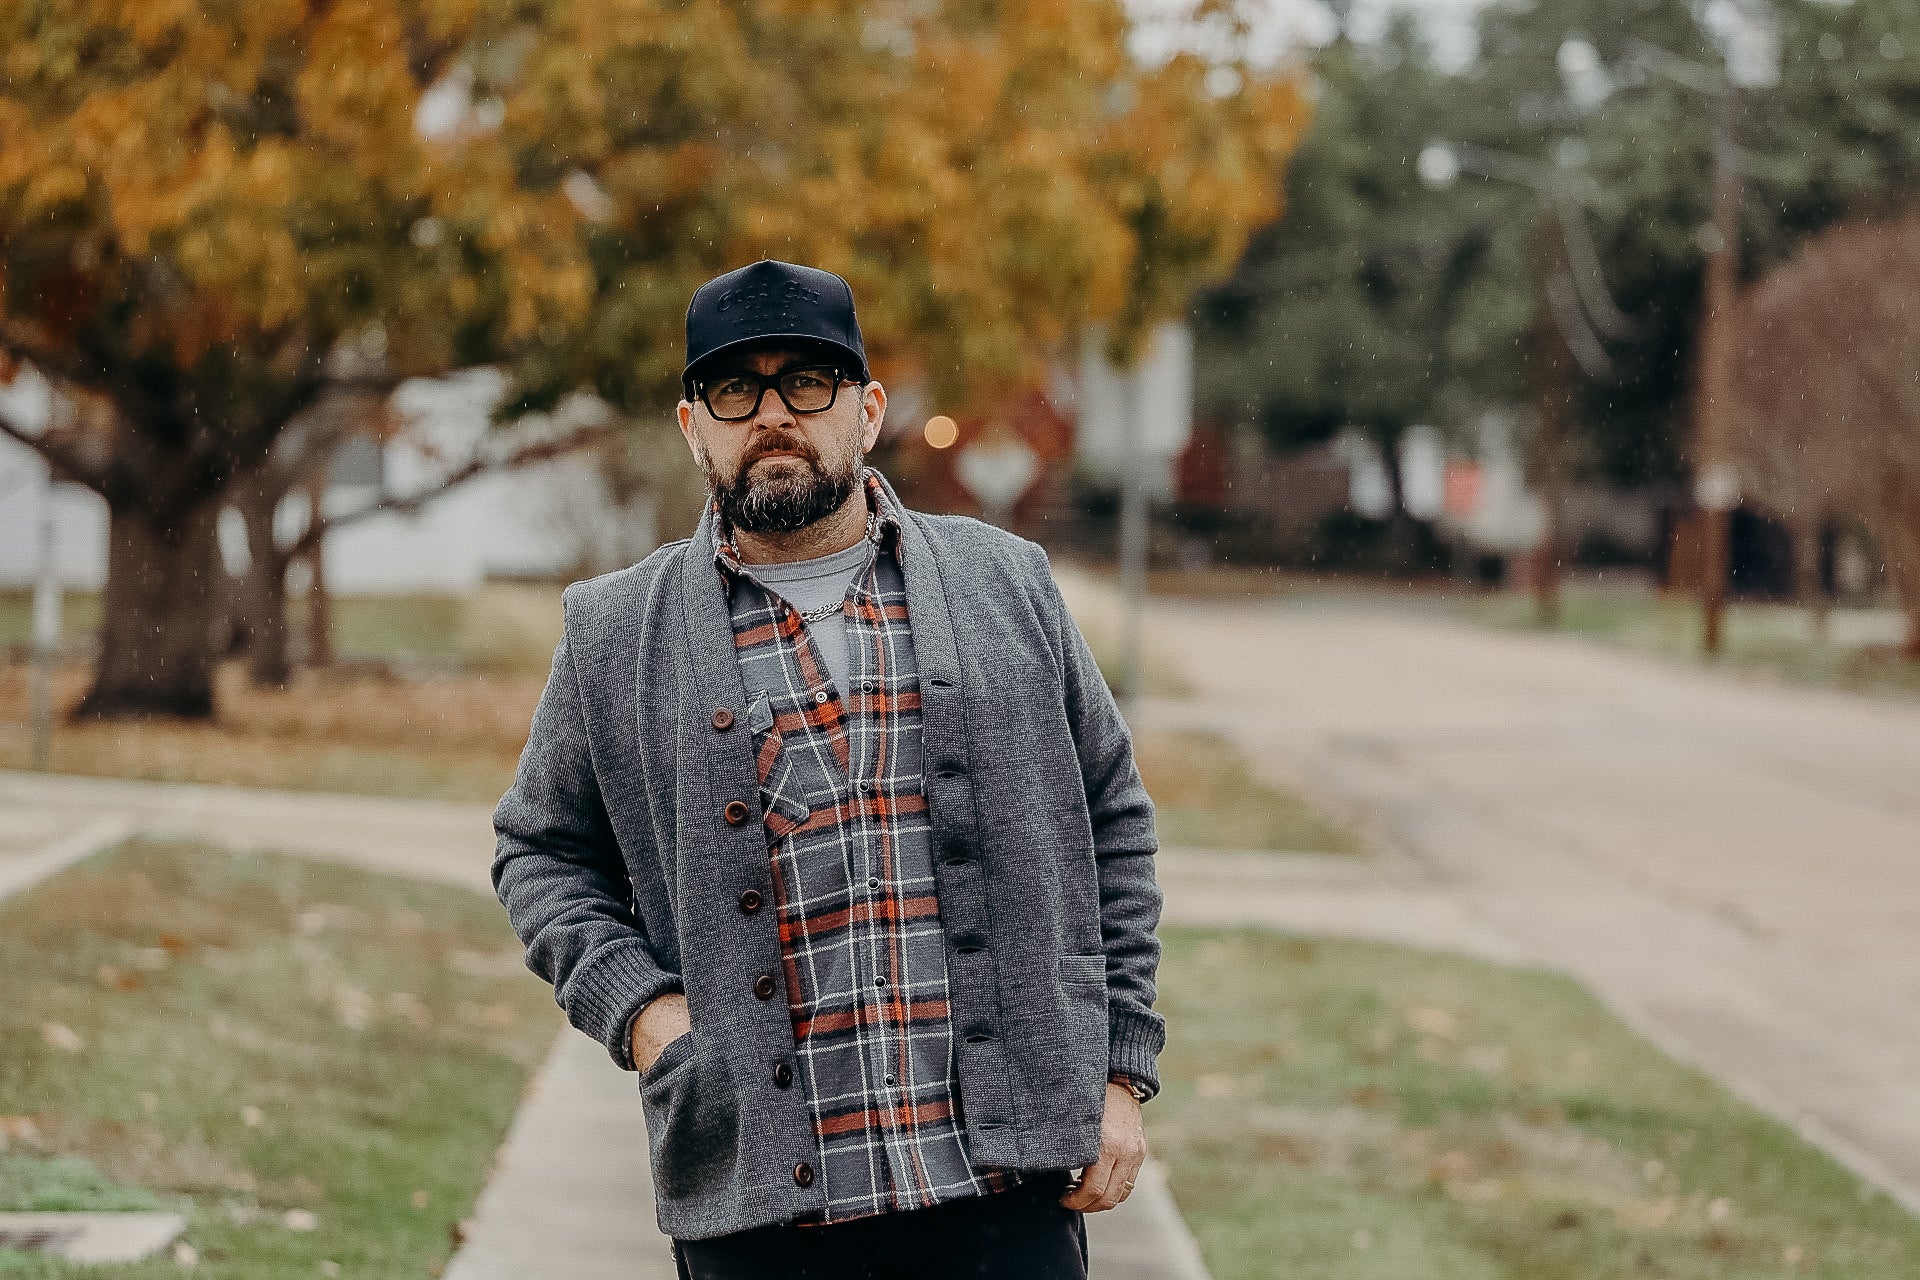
(1734, 865)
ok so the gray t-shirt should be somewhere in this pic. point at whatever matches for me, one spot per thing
(810, 584)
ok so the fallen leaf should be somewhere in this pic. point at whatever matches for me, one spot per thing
(185, 1254)
(300, 1220)
(59, 1035)
(1214, 1085)
(19, 1129)
(1646, 1215)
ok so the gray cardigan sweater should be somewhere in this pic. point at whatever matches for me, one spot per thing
(622, 876)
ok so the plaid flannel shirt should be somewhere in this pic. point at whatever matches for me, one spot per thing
(853, 882)
(853, 886)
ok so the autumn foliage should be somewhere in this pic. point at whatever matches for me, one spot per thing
(1829, 421)
(213, 212)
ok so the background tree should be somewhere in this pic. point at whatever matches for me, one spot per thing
(1829, 344)
(990, 179)
(197, 205)
(203, 204)
(1376, 303)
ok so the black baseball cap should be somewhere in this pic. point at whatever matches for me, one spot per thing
(772, 301)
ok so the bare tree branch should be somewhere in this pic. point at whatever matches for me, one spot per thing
(473, 469)
(68, 460)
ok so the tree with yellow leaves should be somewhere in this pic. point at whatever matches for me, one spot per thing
(201, 207)
(210, 213)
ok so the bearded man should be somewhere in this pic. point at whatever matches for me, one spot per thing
(828, 827)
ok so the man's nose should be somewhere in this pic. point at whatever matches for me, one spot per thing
(773, 411)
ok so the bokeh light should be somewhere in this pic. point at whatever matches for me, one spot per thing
(941, 431)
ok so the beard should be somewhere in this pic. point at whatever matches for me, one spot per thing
(787, 495)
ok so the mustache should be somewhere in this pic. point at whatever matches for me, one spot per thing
(799, 448)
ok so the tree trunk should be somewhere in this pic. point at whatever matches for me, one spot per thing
(319, 603)
(156, 643)
(1807, 586)
(1402, 552)
(1900, 538)
(264, 613)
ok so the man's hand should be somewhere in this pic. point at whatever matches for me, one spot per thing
(1123, 1149)
(663, 1021)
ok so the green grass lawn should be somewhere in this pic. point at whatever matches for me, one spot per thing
(1345, 1111)
(1860, 653)
(505, 628)
(315, 1064)
(1204, 795)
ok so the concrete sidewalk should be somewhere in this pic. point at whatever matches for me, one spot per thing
(429, 839)
(570, 1197)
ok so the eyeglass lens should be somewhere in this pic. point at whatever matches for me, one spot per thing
(738, 395)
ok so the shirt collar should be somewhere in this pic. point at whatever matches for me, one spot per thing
(883, 527)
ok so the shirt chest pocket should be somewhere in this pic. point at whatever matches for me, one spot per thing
(782, 792)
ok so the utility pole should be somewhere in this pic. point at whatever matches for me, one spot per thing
(1553, 389)
(46, 631)
(1716, 483)
(1133, 532)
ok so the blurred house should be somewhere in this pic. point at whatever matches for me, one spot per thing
(557, 518)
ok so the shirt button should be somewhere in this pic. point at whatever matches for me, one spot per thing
(736, 812)
(879, 981)
(873, 882)
(867, 685)
(763, 986)
(750, 901)
(867, 787)
(803, 1174)
(783, 1076)
(723, 719)
(890, 1079)
(819, 695)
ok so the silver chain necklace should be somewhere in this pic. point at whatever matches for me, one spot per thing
(828, 610)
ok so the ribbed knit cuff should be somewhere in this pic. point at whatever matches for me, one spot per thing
(607, 991)
(1134, 1041)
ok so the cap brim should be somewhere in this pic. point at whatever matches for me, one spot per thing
(859, 365)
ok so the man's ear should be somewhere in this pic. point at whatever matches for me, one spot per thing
(873, 404)
(684, 412)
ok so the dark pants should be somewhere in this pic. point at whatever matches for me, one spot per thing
(1021, 1234)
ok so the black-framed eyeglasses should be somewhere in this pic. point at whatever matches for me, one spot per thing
(736, 396)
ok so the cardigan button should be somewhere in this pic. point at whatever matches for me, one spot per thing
(783, 1076)
(803, 1174)
(736, 812)
(763, 986)
(750, 901)
(723, 719)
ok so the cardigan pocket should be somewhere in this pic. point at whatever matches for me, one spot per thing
(1089, 969)
(692, 1124)
(673, 1054)
(1077, 1078)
